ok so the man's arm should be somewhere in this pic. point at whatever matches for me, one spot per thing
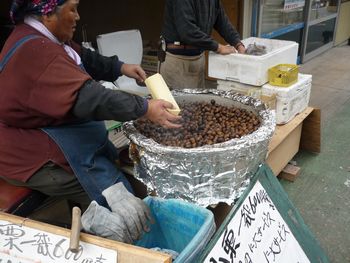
(224, 27)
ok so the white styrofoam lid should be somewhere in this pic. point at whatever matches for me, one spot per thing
(127, 45)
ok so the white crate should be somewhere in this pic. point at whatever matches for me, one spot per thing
(290, 100)
(251, 69)
(238, 87)
(229, 85)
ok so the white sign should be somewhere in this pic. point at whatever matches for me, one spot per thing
(21, 244)
(292, 4)
(257, 233)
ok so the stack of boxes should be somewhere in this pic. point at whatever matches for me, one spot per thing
(150, 63)
(116, 134)
(290, 100)
(248, 75)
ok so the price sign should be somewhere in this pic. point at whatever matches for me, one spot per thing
(263, 227)
(257, 233)
(21, 244)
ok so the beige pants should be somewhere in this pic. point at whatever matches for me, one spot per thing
(184, 72)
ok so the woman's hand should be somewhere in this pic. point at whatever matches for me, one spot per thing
(157, 113)
(133, 71)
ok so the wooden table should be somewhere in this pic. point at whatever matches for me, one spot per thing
(302, 132)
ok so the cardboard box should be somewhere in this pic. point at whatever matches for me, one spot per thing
(149, 64)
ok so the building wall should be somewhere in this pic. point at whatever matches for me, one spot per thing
(343, 29)
(100, 17)
(111, 15)
(147, 16)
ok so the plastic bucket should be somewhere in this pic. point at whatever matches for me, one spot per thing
(179, 226)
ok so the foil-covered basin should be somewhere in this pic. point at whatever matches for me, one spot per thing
(209, 174)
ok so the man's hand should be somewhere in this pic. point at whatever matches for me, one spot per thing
(241, 49)
(225, 50)
(157, 113)
(133, 71)
(135, 213)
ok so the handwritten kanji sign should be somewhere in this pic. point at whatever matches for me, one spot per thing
(257, 233)
(21, 244)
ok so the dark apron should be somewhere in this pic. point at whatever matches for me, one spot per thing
(86, 146)
(91, 155)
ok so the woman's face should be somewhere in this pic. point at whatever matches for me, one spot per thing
(63, 22)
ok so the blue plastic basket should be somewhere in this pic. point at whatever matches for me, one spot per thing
(180, 226)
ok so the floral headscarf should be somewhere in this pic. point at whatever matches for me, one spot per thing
(20, 8)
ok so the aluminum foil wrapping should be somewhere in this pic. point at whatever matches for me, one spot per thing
(209, 174)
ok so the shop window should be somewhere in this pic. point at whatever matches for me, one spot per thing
(277, 14)
(322, 8)
(320, 34)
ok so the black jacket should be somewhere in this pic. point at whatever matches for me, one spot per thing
(191, 23)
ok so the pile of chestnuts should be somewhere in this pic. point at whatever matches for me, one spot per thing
(202, 123)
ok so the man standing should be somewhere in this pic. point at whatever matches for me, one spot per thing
(187, 33)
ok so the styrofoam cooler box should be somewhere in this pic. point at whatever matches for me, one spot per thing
(238, 87)
(249, 90)
(250, 69)
(290, 100)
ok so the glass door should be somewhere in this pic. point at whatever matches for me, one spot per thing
(320, 27)
(281, 19)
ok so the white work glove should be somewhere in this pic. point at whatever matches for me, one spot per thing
(98, 220)
(133, 210)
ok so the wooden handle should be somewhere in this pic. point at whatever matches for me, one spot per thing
(75, 230)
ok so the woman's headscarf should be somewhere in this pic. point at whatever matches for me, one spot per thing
(20, 8)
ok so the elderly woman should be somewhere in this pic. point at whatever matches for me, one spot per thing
(52, 135)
